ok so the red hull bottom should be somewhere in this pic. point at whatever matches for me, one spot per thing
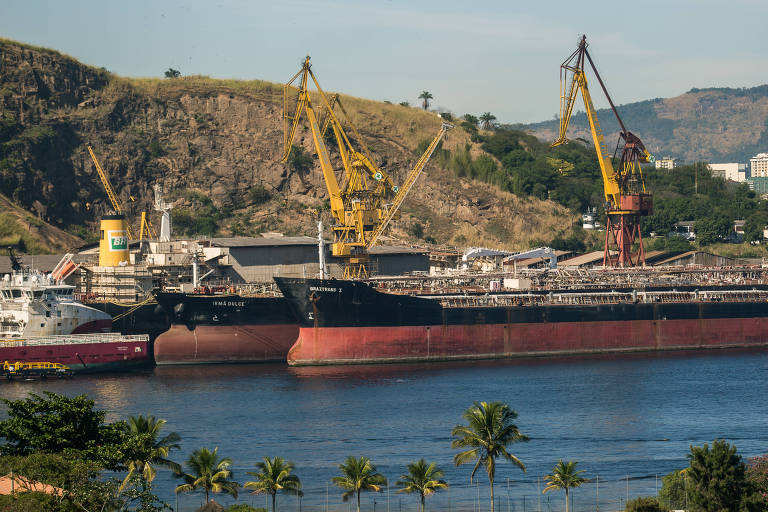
(225, 344)
(83, 357)
(355, 345)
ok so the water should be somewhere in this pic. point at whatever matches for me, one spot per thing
(625, 419)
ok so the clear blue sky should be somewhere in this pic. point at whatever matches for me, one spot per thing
(497, 56)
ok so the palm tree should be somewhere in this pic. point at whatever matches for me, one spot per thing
(149, 450)
(564, 476)
(486, 436)
(425, 96)
(358, 475)
(422, 478)
(274, 476)
(209, 473)
(487, 120)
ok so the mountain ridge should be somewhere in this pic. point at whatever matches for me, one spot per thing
(713, 124)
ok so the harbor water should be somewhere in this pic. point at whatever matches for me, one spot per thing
(628, 420)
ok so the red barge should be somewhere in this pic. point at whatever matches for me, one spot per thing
(350, 322)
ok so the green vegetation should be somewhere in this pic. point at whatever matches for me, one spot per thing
(485, 437)
(273, 476)
(422, 478)
(425, 96)
(201, 218)
(358, 475)
(153, 450)
(644, 504)
(718, 478)
(564, 477)
(172, 73)
(66, 443)
(208, 472)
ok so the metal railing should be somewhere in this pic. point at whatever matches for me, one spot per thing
(74, 339)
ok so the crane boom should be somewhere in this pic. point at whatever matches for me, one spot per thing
(358, 200)
(409, 181)
(579, 83)
(110, 192)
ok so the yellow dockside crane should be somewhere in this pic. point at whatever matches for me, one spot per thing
(146, 226)
(367, 200)
(626, 199)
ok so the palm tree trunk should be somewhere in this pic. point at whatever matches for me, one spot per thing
(422, 502)
(492, 499)
(566, 499)
(274, 500)
(358, 500)
(206, 495)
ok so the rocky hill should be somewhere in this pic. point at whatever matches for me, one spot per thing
(712, 125)
(215, 147)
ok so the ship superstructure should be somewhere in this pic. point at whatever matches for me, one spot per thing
(37, 304)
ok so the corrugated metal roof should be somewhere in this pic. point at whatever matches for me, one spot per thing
(41, 262)
(584, 259)
(247, 241)
(396, 249)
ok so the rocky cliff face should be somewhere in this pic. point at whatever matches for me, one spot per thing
(215, 146)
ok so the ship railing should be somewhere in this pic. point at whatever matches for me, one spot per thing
(72, 339)
(596, 298)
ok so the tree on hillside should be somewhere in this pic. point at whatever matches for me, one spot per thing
(358, 475)
(564, 477)
(486, 120)
(471, 119)
(273, 476)
(712, 229)
(488, 432)
(172, 73)
(422, 478)
(425, 96)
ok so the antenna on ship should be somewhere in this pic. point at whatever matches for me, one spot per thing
(321, 248)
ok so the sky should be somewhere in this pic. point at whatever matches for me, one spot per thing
(492, 56)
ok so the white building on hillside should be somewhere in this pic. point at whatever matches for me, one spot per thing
(731, 171)
(758, 165)
(666, 163)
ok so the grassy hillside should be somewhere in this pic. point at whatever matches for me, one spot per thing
(29, 233)
(215, 147)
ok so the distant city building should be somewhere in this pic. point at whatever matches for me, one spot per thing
(667, 163)
(758, 165)
(731, 171)
(759, 184)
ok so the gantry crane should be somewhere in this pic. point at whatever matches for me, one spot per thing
(146, 226)
(367, 199)
(626, 199)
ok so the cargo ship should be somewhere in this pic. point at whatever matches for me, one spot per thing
(224, 328)
(352, 322)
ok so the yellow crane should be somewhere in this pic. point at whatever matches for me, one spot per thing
(626, 199)
(146, 226)
(359, 205)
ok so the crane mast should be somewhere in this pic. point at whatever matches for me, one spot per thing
(359, 203)
(626, 199)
